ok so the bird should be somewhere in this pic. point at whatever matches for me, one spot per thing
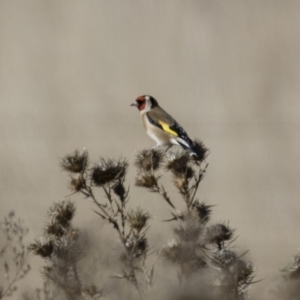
(161, 126)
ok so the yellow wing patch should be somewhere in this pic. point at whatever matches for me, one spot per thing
(167, 128)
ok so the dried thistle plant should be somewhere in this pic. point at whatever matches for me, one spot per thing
(200, 150)
(289, 287)
(149, 160)
(137, 219)
(76, 162)
(244, 273)
(62, 213)
(60, 249)
(292, 270)
(16, 267)
(109, 176)
(198, 246)
(234, 276)
(136, 247)
(108, 171)
(77, 183)
(146, 180)
(43, 248)
(224, 258)
(218, 234)
(202, 211)
(187, 171)
(179, 164)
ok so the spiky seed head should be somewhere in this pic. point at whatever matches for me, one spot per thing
(119, 190)
(245, 271)
(136, 247)
(201, 211)
(148, 160)
(218, 233)
(137, 219)
(189, 173)
(292, 270)
(142, 246)
(200, 150)
(180, 182)
(224, 258)
(55, 229)
(43, 249)
(76, 162)
(179, 165)
(77, 183)
(145, 180)
(62, 213)
(109, 171)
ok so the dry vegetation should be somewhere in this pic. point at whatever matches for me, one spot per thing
(13, 254)
(202, 255)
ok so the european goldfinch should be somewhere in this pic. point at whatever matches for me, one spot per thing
(160, 126)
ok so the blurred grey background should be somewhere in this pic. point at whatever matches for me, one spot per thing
(228, 71)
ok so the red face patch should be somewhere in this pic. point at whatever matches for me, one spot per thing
(141, 101)
(142, 105)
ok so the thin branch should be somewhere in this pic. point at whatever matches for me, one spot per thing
(198, 180)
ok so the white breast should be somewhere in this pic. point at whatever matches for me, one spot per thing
(161, 137)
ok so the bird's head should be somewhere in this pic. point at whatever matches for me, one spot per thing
(145, 103)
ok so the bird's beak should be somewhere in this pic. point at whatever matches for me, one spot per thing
(134, 104)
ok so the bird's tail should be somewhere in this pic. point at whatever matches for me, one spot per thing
(187, 144)
(196, 148)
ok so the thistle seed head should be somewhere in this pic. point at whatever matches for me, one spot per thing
(200, 150)
(202, 211)
(149, 160)
(77, 183)
(43, 249)
(76, 162)
(137, 219)
(145, 180)
(292, 270)
(62, 213)
(109, 171)
(136, 246)
(245, 271)
(180, 182)
(179, 165)
(119, 190)
(55, 229)
(224, 258)
(142, 246)
(218, 233)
